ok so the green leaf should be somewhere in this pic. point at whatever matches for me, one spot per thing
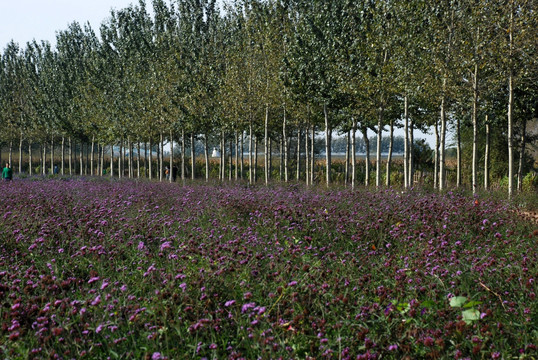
(470, 304)
(428, 304)
(457, 301)
(470, 315)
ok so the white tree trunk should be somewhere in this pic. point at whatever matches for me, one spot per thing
(389, 157)
(406, 144)
(328, 137)
(63, 156)
(266, 141)
(353, 153)
(486, 156)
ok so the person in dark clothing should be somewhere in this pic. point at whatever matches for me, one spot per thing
(174, 173)
(7, 173)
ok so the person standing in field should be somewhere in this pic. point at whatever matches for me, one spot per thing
(7, 173)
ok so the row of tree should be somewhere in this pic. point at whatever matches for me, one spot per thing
(263, 72)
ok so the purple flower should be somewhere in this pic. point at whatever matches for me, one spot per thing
(156, 356)
(229, 303)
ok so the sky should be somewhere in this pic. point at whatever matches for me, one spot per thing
(26, 20)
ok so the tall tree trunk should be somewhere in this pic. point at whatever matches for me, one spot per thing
(138, 159)
(298, 154)
(285, 145)
(193, 157)
(81, 158)
(522, 145)
(255, 158)
(230, 160)
(475, 129)
(411, 171)
(102, 167)
(367, 156)
(70, 157)
(458, 153)
(436, 157)
(161, 156)
(173, 173)
(182, 155)
(406, 143)
(11, 153)
(270, 157)
(312, 154)
(346, 167)
(44, 159)
(130, 157)
(121, 163)
(281, 162)
(389, 156)
(223, 156)
(353, 152)
(63, 156)
(52, 154)
(266, 145)
(236, 155)
(146, 172)
(112, 160)
(91, 156)
(206, 156)
(150, 159)
(29, 157)
(378, 151)
(443, 140)
(242, 153)
(20, 153)
(250, 173)
(486, 156)
(307, 155)
(510, 136)
(328, 137)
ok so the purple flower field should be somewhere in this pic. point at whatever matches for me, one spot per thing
(140, 270)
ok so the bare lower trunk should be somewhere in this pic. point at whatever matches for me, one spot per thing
(81, 158)
(242, 154)
(285, 145)
(353, 153)
(522, 144)
(406, 144)
(367, 157)
(62, 169)
(52, 155)
(150, 160)
(328, 137)
(91, 156)
(411, 171)
(389, 156)
(70, 156)
(458, 153)
(307, 156)
(193, 157)
(378, 151)
(161, 156)
(236, 155)
(486, 157)
(436, 157)
(346, 167)
(10, 153)
(250, 153)
(102, 167)
(230, 161)
(173, 172)
(20, 153)
(112, 160)
(266, 144)
(475, 130)
(29, 157)
(182, 154)
(255, 158)
(138, 159)
(44, 159)
(442, 154)
(130, 158)
(312, 155)
(206, 157)
(298, 175)
(121, 163)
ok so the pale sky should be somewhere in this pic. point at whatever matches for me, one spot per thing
(25, 20)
